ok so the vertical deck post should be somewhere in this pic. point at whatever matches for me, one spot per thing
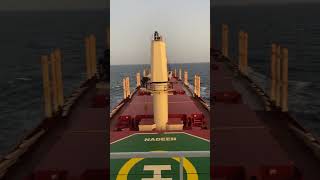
(199, 86)
(175, 72)
(186, 77)
(54, 83)
(195, 86)
(128, 87)
(144, 73)
(88, 60)
(181, 168)
(124, 84)
(284, 88)
(93, 54)
(138, 79)
(278, 76)
(179, 73)
(46, 87)
(245, 53)
(225, 40)
(58, 58)
(240, 53)
(273, 72)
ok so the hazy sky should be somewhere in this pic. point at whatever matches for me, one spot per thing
(184, 24)
(52, 4)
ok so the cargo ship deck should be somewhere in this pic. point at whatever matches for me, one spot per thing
(70, 140)
(72, 147)
(183, 110)
(252, 138)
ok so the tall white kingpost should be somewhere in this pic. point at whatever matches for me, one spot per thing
(159, 77)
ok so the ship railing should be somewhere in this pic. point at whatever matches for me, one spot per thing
(151, 86)
(162, 154)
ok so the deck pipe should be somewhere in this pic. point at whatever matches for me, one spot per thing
(88, 59)
(46, 87)
(54, 84)
(58, 60)
(225, 40)
(159, 80)
(273, 72)
(175, 72)
(144, 73)
(180, 74)
(284, 78)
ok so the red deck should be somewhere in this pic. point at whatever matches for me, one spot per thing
(247, 145)
(74, 148)
(180, 104)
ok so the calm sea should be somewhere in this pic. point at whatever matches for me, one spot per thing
(24, 36)
(118, 72)
(293, 26)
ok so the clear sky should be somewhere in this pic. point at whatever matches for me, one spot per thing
(184, 24)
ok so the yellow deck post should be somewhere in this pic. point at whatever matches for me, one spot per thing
(88, 58)
(225, 40)
(195, 86)
(128, 87)
(284, 87)
(54, 83)
(273, 72)
(199, 86)
(138, 79)
(245, 54)
(186, 77)
(58, 58)
(93, 54)
(240, 53)
(278, 77)
(124, 88)
(46, 87)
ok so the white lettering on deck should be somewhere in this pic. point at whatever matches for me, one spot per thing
(157, 171)
(160, 139)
